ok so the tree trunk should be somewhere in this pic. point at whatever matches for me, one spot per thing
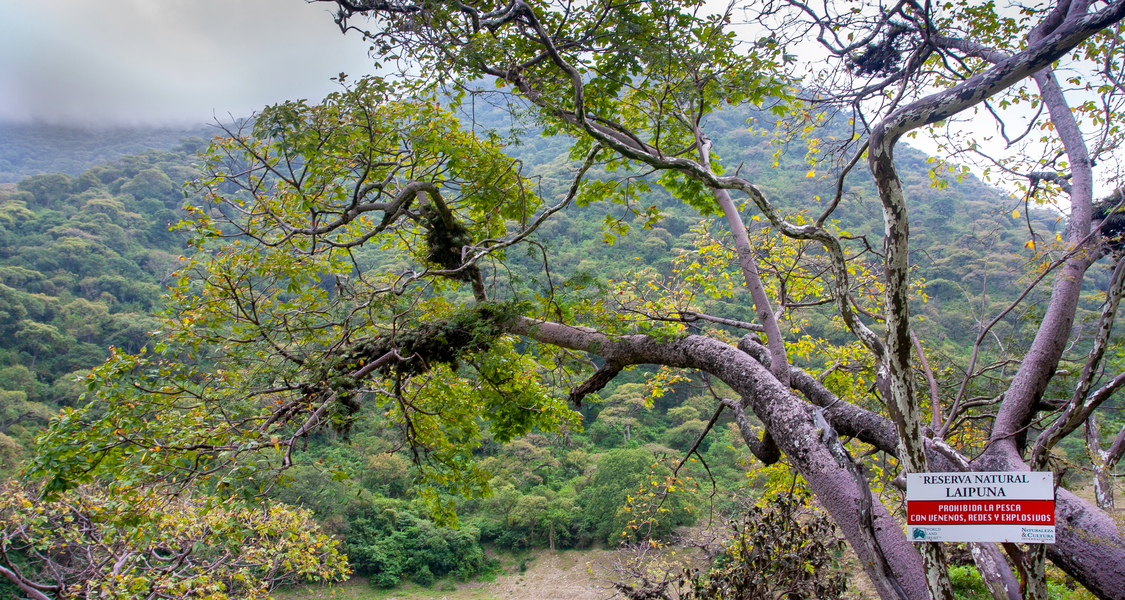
(890, 560)
(1035, 567)
(993, 567)
(1088, 546)
(1039, 364)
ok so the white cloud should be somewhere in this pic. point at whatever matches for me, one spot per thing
(154, 61)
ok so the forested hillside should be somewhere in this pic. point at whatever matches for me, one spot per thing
(86, 258)
(83, 264)
(961, 224)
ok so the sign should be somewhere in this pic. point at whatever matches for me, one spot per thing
(1010, 506)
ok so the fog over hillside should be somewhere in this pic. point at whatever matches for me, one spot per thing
(28, 149)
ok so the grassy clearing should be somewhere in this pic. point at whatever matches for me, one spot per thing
(565, 575)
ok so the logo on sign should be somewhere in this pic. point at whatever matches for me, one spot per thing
(1037, 534)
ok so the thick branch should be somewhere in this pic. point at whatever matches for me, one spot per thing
(815, 452)
(1082, 404)
(24, 586)
(976, 89)
(596, 382)
(765, 449)
(1041, 360)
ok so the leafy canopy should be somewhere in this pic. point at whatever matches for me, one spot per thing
(318, 285)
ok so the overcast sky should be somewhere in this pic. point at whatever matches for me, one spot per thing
(134, 62)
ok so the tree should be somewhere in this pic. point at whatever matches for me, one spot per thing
(559, 518)
(310, 324)
(46, 187)
(92, 542)
(623, 476)
(14, 407)
(623, 407)
(529, 511)
(39, 337)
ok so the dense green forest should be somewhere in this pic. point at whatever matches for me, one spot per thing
(83, 261)
(85, 258)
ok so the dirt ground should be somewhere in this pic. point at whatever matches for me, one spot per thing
(559, 575)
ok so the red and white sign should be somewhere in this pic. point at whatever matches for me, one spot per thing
(1009, 506)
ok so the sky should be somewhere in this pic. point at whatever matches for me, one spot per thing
(166, 62)
(108, 63)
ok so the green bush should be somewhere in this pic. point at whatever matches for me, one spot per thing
(386, 542)
(424, 577)
(785, 549)
(968, 584)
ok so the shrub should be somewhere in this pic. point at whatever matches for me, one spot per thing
(385, 542)
(423, 576)
(683, 436)
(783, 551)
(968, 584)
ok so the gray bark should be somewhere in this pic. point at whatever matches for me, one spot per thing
(994, 569)
(888, 558)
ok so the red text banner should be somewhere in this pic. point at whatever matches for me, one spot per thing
(1039, 512)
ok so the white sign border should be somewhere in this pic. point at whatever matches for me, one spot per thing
(1039, 485)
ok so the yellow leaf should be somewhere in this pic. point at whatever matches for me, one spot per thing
(1058, 237)
(1015, 214)
(1030, 244)
(810, 174)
